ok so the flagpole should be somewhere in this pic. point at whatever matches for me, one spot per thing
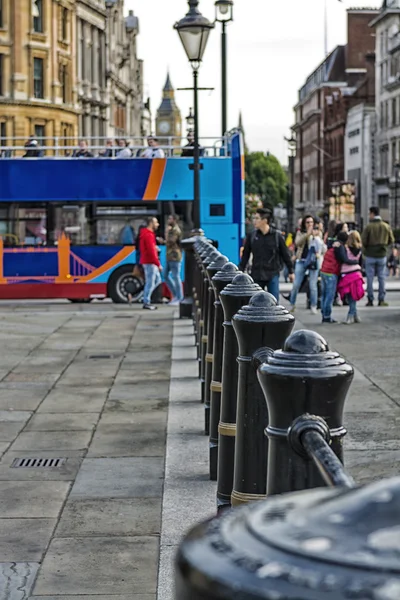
(326, 27)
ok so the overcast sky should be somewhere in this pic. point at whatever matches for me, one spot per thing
(273, 46)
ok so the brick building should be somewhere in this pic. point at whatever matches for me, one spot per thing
(344, 79)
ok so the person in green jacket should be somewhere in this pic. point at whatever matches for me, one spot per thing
(376, 239)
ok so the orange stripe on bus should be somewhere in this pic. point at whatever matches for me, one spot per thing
(155, 178)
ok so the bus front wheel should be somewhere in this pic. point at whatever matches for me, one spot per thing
(123, 283)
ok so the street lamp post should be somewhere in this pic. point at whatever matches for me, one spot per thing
(396, 190)
(292, 144)
(224, 14)
(194, 30)
(190, 121)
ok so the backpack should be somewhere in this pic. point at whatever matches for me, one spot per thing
(276, 253)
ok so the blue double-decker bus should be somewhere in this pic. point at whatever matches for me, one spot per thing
(61, 218)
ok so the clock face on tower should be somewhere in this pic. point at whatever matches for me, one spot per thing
(165, 127)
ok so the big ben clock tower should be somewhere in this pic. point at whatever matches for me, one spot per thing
(168, 120)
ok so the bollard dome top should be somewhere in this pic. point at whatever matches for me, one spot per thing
(306, 353)
(263, 307)
(218, 263)
(306, 342)
(211, 257)
(241, 285)
(344, 544)
(226, 273)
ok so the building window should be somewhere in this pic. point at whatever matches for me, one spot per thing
(353, 133)
(354, 150)
(64, 83)
(1, 74)
(394, 153)
(3, 140)
(383, 202)
(1, 14)
(64, 24)
(37, 11)
(38, 75)
(394, 112)
(40, 134)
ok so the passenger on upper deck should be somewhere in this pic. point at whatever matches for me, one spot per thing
(154, 150)
(109, 150)
(188, 150)
(83, 151)
(33, 150)
(123, 149)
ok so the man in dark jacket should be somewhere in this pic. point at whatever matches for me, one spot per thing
(269, 252)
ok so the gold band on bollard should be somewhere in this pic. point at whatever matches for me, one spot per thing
(228, 429)
(204, 339)
(209, 358)
(201, 323)
(197, 302)
(216, 386)
(238, 498)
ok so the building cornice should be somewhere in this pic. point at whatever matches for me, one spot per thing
(387, 12)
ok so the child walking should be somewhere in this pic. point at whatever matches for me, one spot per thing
(350, 284)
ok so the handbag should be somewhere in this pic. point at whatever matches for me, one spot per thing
(311, 262)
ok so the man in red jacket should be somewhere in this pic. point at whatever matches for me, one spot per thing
(150, 261)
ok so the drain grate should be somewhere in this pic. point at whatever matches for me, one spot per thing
(102, 356)
(43, 463)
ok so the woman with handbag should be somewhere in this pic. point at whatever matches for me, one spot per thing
(307, 259)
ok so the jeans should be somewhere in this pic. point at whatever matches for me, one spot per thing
(299, 273)
(172, 276)
(352, 306)
(329, 284)
(272, 286)
(375, 266)
(152, 281)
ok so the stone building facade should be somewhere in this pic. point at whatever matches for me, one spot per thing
(387, 35)
(344, 79)
(37, 70)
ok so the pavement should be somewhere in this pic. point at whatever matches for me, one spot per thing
(113, 393)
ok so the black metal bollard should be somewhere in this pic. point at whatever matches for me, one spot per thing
(204, 318)
(211, 269)
(219, 282)
(304, 377)
(200, 312)
(260, 324)
(335, 544)
(233, 297)
(200, 248)
(185, 307)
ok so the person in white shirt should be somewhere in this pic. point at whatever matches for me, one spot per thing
(123, 151)
(154, 150)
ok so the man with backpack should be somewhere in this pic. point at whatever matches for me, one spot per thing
(269, 253)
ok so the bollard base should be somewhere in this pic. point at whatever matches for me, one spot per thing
(206, 419)
(213, 461)
(185, 308)
(223, 504)
(203, 390)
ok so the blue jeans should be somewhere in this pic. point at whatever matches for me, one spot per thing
(375, 266)
(172, 276)
(352, 306)
(152, 281)
(272, 286)
(329, 285)
(299, 273)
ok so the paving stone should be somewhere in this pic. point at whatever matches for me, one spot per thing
(127, 440)
(369, 465)
(140, 596)
(136, 405)
(24, 540)
(133, 516)
(31, 377)
(148, 390)
(17, 579)
(62, 422)
(9, 430)
(372, 431)
(148, 356)
(119, 478)
(20, 499)
(86, 399)
(21, 399)
(147, 420)
(83, 566)
(14, 416)
(52, 440)
(127, 376)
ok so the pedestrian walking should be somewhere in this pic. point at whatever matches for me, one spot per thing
(305, 263)
(351, 284)
(172, 271)
(376, 239)
(150, 261)
(269, 252)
